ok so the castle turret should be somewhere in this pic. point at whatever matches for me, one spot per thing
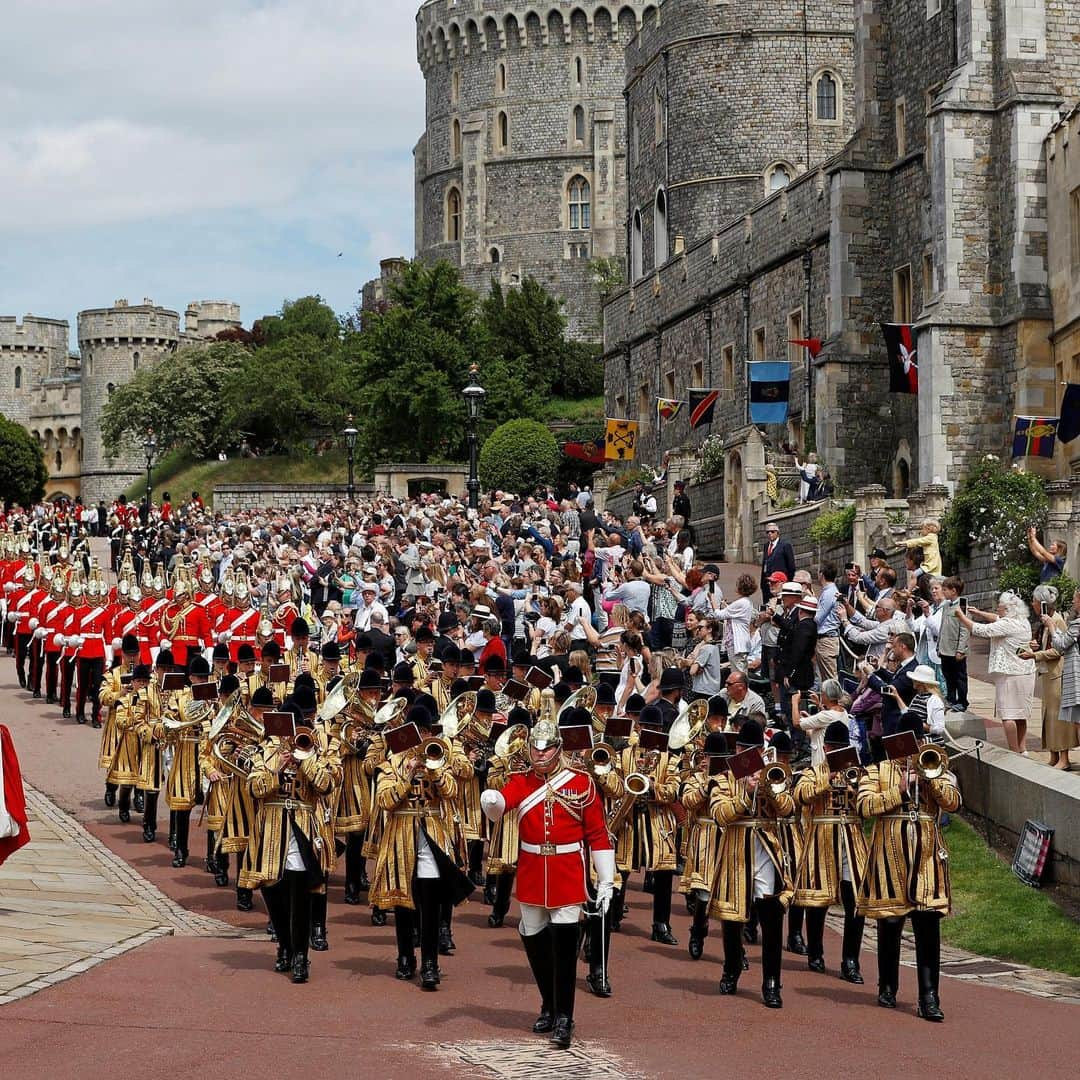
(521, 168)
(30, 351)
(116, 342)
(205, 319)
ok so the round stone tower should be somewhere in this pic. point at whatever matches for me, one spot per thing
(727, 103)
(114, 343)
(521, 169)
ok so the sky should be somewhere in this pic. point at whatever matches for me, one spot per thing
(203, 150)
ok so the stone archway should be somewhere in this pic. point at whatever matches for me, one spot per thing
(733, 506)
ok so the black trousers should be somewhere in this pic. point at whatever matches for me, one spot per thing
(149, 816)
(926, 926)
(52, 672)
(426, 916)
(91, 675)
(770, 914)
(354, 859)
(289, 903)
(37, 664)
(956, 680)
(853, 927)
(22, 651)
(183, 827)
(67, 677)
(661, 901)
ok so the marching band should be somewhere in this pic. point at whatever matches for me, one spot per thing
(446, 782)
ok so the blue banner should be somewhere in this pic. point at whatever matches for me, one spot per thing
(770, 382)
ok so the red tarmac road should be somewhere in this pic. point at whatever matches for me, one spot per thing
(184, 1006)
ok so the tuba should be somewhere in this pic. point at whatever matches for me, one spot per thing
(457, 715)
(389, 713)
(582, 698)
(512, 747)
(193, 714)
(688, 725)
(344, 695)
(234, 738)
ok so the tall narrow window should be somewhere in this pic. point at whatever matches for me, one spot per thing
(502, 131)
(795, 353)
(579, 203)
(109, 389)
(658, 115)
(777, 177)
(635, 247)
(928, 288)
(1074, 221)
(901, 127)
(727, 356)
(455, 139)
(826, 97)
(579, 124)
(455, 87)
(134, 361)
(495, 255)
(579, 73)
(453, 216)
(59, 460)
(660, 237)
(500, 79)
(759, 344)
(902, 294)
(18, 378)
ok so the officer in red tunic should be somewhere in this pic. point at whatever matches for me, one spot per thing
(560, 814)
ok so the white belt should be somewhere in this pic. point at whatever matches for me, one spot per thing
(551, 849)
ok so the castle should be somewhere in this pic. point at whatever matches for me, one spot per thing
(59, 397)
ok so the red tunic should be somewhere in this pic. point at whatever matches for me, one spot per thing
(92, 625)
(14, 799)
(241, 626)
(189, 627)
(559, 878)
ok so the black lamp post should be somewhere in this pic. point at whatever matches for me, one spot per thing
(149, 449)
(474, 402)
(350, 445)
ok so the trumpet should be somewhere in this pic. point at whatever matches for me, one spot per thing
(777, 778)
(433, 754)
(932, 762)
(303, 743)
(600, 760)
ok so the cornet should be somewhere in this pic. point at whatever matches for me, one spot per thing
(600, 760)
(777, 778)
(433, 754)
(932, 762)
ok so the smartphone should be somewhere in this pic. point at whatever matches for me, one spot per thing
(1044, 608)
(963, 604)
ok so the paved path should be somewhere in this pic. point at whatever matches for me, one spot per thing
(199, 997)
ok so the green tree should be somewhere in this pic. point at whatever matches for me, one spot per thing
(180, 399)
(287, 391)
(518, 456)
(22, 465)
(307, 317)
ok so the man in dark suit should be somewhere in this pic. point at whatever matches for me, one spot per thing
(895, 687)
(381, 641)
(776, 555)
(796, 645)
(448, 622)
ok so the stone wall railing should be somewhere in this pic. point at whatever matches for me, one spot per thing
(228, 498)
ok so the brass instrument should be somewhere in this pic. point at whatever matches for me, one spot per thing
(388, 714)
(433, 754)
(600, 760)
(303, 743)
(932, 762)
(635, 786)
(344, 694)
(234, 738)
(582, 698)
(776, 778)
(688, 725)
(512, 746)
(193, 714)
(356, 734)
(457, 714)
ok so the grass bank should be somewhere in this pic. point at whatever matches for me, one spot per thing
(994, 914)
(180, 475)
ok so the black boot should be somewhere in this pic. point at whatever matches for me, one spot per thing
(172, 830)
(599, 938)
(318, 922)
(283, 963)
(849, 971)
(244, 901)
(300, 968)
(564, 979)
(150, 817)
(771, 917)
(733, 956)
(662, 932)
(210, 863)
(446, 939)
(617, 911)
(889, 931)
(489, 889)
(110, 795)
(504, 884)
(853, 935)
(429, 975)
(124, 805)
(770, 994)
(139, 802)
(221, 877)
(538, 950)
(352, 893)
(927, 928)
(406, 966)
(699, 928)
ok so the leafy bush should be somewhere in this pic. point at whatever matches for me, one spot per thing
(1020, 579)
(22, 465)
(994, 506)
(628, 478)
(712, 458)
(519, 456)
(1065, 586)
(833, 526)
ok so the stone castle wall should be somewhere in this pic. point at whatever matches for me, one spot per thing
(483, 61)
(31, 349)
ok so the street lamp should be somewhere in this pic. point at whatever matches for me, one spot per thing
(350, 445)
(474, 402)
(149, 449)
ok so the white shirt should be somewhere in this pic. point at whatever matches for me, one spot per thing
(578, 610)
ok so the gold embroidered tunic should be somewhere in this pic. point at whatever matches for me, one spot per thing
(124, 767)
(503, 841)
(702, 836)
(647, 839)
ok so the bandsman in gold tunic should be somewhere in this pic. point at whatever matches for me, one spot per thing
(645, 827)
(440, 688)
(113, 688)
(131, 709)
(417, 870)
(907, 870)
(292, 840)
(833, 856)
(188, 720)
(151, 737)
(702, 840)
(219, 787)
(752, 869)
(425, 646)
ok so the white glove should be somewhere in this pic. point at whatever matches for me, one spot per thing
(33, 624)
(9, 586)
(493, 804)
(40, 632)
(604, 865)
(224, 637)
(59, 640)
(12, 617)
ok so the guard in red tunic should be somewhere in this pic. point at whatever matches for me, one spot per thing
(560, 814)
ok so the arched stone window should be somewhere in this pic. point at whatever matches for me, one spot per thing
(495, 256)
(579, 203)
(455, 139)
(134, 361)
(778, 176)
(18, 377)
(826, 92)
(453, 216)
(635, 247)
(579, 73)
(660, 236)
(500, 78)
(109, 389)
(579, 124)
(59, 459)
(502, 131)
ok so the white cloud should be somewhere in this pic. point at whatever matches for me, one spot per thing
(294, 117)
